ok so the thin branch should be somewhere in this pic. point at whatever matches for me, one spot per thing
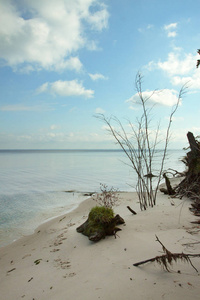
(139, 148)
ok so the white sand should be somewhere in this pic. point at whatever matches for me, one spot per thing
(72, 267)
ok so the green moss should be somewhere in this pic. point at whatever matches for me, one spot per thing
(93, 229)
(101, 214)
(98, 217)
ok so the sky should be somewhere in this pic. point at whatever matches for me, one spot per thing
(62, 62)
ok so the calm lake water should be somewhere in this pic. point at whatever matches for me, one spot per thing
(34, 183)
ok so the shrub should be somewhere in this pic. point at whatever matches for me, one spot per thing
(108, 197)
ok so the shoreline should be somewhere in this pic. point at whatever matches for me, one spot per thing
(56, 262)
(45, 221)
(50, 215)
(68, 209)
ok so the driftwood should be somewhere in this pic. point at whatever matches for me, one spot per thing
(131, 210)
(99, 228)
(169, 190)
(168, 258)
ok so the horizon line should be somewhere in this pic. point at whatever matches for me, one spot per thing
(76, 149)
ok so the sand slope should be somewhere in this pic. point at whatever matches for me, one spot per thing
(72, 267)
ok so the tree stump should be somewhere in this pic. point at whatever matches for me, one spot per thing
(100, 223)
(190, 185)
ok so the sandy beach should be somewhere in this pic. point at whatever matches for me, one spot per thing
(58, 263)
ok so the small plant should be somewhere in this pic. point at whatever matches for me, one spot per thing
(108, 197)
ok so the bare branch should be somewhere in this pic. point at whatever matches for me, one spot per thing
(139, 146)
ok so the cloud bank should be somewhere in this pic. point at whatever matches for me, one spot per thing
(47, 34)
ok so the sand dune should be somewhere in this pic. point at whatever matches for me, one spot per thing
(58, 263)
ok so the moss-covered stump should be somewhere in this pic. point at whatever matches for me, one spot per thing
(101, 222)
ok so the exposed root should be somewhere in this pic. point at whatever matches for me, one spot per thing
(166, 260)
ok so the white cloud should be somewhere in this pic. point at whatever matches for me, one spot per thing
(106, 127)
(170, 26)
(150, 26)
(175, 65)
(172, 34)
(43, 88)
(46, 34)
(176, 119)
(163, 97)
(193, 81)
(99, 110)
(73, 63)
(131, 106)
(60, 140)
(99, 19)
(181, 68)
(97, 76)
(54, 127)
(170, 29)
(66, 89)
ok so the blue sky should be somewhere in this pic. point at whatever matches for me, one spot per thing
(64, 61)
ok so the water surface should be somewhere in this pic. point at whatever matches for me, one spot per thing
(34, 183)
